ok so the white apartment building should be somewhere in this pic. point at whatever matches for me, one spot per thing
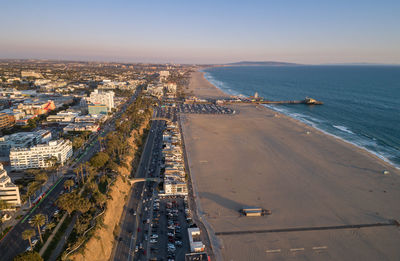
(102, 97)
(155, 90)
(163, 75)
(175, 187)
(37, 156)
(22, 140)
(92, 127)
(8, 191)
(91, 118)
(63, 116)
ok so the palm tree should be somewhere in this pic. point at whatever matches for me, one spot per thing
(82, 173)
(69, 183)
(51, 225)
(27, 235)
(100, 139)
(38, 221)
(90, 171)
(76, 171)
(3, 204)
(51, 162)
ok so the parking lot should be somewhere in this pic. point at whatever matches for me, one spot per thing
(168, 112)
(168, 236)
(204, 109)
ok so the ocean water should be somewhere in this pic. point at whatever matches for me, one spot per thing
(361, 103)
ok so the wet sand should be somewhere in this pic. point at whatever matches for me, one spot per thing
(308, 179)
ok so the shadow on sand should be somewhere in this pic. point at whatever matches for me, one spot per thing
(222, 201)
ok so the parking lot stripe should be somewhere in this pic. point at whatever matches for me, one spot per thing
(272, 250)
(296, 249)
(319, 247)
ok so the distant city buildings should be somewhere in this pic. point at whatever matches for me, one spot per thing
(6, 120)
(32, 74)
(63, 117)
(29, 89)
(156, 90)
(39, 156)
(8, 191)
(159, 90)
(163, 75)
(31, 109)
(170, 90)
(126, 85)
(91, 118)
(91, 127)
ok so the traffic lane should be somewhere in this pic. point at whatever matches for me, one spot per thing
(122, 250)
(127, 228)
(154, 214)
(146, 164)
(145, 228)
(157, 223)
(13, 244)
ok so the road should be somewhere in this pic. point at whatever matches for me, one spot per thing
(13, 244)
(148, 225)
(129, 234)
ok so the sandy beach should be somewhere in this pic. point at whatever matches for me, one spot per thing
(308, 179)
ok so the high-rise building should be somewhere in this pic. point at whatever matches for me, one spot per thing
(98, 109)
(8, 191)
(102, 97)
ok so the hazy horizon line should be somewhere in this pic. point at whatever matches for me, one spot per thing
(186, 63)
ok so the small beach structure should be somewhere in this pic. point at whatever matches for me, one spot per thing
(254, 212)
(196, 245)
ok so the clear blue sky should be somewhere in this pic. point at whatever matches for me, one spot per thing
(205, 31)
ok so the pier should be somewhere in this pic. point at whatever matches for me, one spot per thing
(257, 100)
(251, 100)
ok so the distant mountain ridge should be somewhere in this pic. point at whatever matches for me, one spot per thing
(261, 63)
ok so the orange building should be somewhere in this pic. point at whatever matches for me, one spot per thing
(37, 108)
(6, 121)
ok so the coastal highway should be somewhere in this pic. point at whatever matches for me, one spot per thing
(129, 234)
(13, 244)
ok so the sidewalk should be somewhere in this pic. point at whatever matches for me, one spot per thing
(48, 241)
(60, 246)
